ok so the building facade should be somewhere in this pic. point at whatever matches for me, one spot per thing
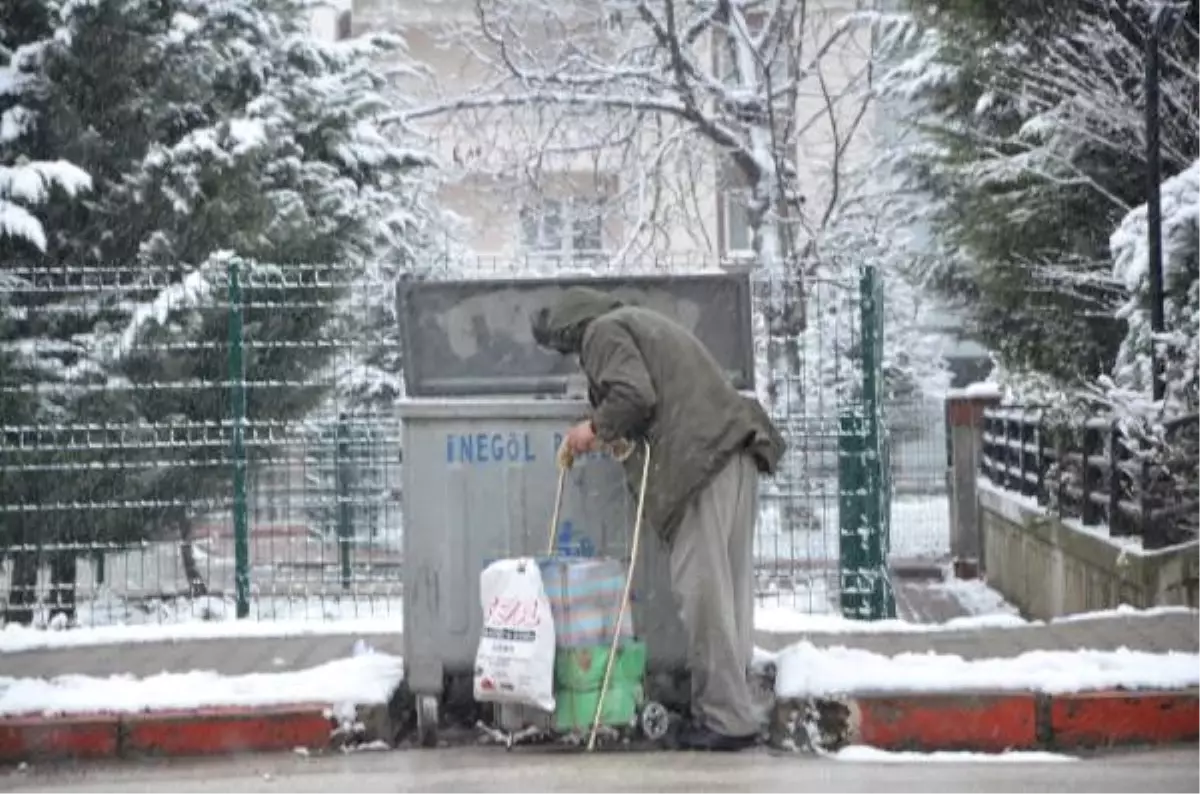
(548, 187)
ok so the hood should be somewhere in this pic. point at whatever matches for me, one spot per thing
(561, 325)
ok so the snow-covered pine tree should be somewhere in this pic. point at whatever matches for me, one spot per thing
(31, 178)
(25, 181)
(1162, 434)
(221, 133)
(1133, 373)
(1031, 151)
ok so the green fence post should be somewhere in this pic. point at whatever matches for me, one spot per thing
(237, 399)
(853, 577)
(876, 460)
(343, 475)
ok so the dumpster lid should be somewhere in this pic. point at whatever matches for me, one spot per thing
(472, 337)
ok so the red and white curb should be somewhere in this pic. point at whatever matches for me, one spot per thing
(995, 722)
(191, 732)
(981, 722)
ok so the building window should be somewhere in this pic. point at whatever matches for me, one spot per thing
(737, 222)
(735, 196)
(568, 228)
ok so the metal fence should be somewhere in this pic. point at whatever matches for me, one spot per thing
(1098, 473)
(823, 535)
(149, 414)
(192, 444)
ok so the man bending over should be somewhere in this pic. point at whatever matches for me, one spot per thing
(650, 379)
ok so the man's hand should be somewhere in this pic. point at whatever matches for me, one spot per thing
(565, 457)
(620, 449)
(581, 439)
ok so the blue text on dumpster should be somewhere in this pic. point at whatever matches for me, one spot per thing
(489, 448)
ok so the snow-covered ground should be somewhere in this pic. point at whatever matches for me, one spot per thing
(863, 754)
(812, 592)
(804, 670)
(20, 638)
(792, 613)
(110, 610)
(362, 679)
(217, 616)
(782, 620)
(976, 597)
(295, 575)
(920, 529)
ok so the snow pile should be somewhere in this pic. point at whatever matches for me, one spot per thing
(366, 678)
(803, 670)
(872, 755)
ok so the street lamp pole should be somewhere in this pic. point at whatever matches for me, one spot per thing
(1153, 202)
(1159, 19)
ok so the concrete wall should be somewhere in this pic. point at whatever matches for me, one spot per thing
(1047, 567)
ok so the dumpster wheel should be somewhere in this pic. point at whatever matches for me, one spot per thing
(427, 720)
(654, 721)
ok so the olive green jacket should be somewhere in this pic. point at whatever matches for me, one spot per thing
(649, 378)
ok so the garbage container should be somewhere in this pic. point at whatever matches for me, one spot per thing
(484, 413)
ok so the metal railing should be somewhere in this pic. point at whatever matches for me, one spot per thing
(1097, 473)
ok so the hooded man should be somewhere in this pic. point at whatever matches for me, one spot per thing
(650, 379)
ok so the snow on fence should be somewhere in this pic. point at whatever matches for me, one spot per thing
(119, 441)
(1098, 472)
(145, 407)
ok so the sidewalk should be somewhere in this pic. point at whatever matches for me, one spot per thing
(1154, 633)
(892, 684)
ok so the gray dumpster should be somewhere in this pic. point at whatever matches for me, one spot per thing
(485, 412)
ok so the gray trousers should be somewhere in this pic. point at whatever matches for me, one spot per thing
(712, 579)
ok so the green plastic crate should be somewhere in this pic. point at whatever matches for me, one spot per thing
(583, 668)
(578, 674)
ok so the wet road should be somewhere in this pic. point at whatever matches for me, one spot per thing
(493, 771)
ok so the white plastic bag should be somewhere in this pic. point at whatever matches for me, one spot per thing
(515, 660)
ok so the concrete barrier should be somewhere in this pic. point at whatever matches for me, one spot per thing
(1048, 567)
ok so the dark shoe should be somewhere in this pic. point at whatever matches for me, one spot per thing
(698, 737)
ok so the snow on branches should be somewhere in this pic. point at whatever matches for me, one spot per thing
(676, 98)
(1179, 345)
(1031, 151)
(26, 183)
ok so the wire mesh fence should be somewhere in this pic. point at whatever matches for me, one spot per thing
(138, 424)
(145, 412)
(807, 374)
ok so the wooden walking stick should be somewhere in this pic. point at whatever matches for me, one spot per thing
(616, 640)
